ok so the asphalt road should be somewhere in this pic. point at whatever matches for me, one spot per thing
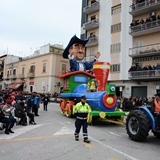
(53, 139)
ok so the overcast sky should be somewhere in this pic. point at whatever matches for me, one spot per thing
(25, 25)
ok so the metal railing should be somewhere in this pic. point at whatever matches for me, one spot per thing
(91, 6)
(92, 22)
(143, 5)
(145, 26)
(144, 74)
(142, 50)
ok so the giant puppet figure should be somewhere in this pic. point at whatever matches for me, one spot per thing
(75, 52)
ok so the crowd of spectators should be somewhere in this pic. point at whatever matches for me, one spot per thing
(20, 108)
(127, 104)
(149, 22)
(142, 3)
(147, 70)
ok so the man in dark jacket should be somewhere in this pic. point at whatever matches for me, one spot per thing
(45, 101)
(8, 121)
(21, 112)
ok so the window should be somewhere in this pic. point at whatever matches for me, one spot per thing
(93, 17)
(23, 69)
(115, 68)
(44, 68)
(32, 68)
(116, 9)
(116, 47)
(116, 28)
(64, 66)
(14, 71)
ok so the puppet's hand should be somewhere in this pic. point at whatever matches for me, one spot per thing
(70, 56)
(97, 55)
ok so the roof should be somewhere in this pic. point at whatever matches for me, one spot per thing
(76, 72)
(14, 85)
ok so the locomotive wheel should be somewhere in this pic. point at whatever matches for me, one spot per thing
(89, 119)
(68, 110)
(62, 110)
(137, 125)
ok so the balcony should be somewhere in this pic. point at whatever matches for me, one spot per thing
(92, 42)
(146, 28)
(91, 8)
(144, 75)
(144, 7)
(91, 24)
(31, 74)
(6, 77)
(21, 76)
(144, 51)
(13, 77)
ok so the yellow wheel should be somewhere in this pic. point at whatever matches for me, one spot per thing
(121, 117)
(68, 110)
(89, 119)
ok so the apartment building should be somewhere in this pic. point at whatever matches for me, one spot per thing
(122, 43)
(36, 73)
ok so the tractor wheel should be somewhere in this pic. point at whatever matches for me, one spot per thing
(68, 110)
(137, 125)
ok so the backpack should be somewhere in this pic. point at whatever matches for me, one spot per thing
(29, 102)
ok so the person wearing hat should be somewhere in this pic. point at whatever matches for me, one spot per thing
(81, 111)
(7, 118)
(156, 107)
(75, 52)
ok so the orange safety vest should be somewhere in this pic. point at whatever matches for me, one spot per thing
(157, 106)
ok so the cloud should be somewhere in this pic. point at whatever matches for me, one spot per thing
(28, 23)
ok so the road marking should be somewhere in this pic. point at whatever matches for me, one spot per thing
(116, 150)
(114, 134)
(19, 131)
(113, 159)
(34, 138)
(89, 145)
(64, 130)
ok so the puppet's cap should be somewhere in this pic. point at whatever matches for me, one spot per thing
(73, 40)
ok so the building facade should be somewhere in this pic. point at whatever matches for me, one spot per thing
(107, 25)
(36, 73)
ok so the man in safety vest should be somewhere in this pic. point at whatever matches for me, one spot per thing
(156, 106)
(81, 111)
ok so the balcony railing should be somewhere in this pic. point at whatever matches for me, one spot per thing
(144, 7)
(21, 76)
(91, 8)
(13, 77)
(145, 75)
(145, 28)
(92, 42)
(91, 24)
(31, 74)
(143, 51)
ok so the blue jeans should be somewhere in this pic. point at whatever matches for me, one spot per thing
(9, 122)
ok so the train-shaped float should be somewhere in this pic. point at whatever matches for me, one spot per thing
(100, 96)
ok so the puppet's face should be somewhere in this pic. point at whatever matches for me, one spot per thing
(78, 50)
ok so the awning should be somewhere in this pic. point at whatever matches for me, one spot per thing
(14, 85)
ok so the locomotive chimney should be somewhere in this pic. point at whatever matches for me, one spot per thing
(101, 71)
